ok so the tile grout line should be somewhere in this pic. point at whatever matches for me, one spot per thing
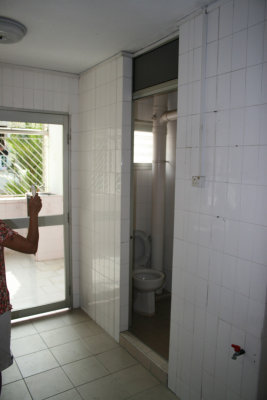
(60, 366)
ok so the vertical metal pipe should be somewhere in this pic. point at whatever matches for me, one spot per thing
(202, 127)
(158, 182)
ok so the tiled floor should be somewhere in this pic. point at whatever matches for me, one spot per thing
(32, 283)
(155, 331)
(67, 356)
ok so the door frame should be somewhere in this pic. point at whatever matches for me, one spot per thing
(165, 87)
(10, 114)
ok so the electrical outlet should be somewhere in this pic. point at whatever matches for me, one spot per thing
(198, 181)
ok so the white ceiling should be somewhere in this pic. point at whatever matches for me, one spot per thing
(74, 35)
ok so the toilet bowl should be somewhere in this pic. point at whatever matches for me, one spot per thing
(145, 280)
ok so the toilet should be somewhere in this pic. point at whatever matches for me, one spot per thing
(145, 280)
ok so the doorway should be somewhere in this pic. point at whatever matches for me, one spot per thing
(153, 330)
(35, 150)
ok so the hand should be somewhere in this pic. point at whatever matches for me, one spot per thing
(35, 205)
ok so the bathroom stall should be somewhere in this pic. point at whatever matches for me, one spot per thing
(153, 173)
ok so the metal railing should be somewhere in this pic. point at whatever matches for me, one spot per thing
(21, 163)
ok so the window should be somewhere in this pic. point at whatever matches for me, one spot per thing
(143, 147)
(165, 58)
(29, 155)
(21, 157)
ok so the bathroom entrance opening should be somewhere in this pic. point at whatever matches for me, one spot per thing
(153, 216)
(34, 151)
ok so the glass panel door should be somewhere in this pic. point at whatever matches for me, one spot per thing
(34, 150)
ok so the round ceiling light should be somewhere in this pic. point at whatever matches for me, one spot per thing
(11, 31)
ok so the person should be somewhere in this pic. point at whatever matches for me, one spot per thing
(3, 149)
(28, 245)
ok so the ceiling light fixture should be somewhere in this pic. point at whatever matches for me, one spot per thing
(11, 31)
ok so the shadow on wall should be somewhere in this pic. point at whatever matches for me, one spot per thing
(262, 384)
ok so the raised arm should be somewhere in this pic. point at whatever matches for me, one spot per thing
(29, 244)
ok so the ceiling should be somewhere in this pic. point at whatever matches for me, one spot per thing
(74, 35)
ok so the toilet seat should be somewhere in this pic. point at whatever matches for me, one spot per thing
(142, 249)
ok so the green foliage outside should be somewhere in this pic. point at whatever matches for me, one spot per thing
(26, 125)
(25, 161)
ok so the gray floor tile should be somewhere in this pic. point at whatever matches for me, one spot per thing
(85, 329)
(48, 384)
(22, 329)
(107, 388)
(35, 363)
(159, 392)
(116, 359)
(11, 374)
(90, 359)
(135, 379)
(71, 351)
(15, 391)
(49, 323)
(27, 345)
(86, 370)
(76, 316)
(59, 336)
(100, 343)
(69, 395)
(59, 320)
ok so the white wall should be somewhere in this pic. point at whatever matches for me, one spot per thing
(220, 257)
(104, 160)
(54, 159)
(170, 191)
(142, 197)
(100, 174)
(43, 90)
(142, 173)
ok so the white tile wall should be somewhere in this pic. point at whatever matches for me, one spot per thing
(225, 52)
(222, 283)
(240, 18)
(239, 50)
(170, 189)
(212, 55)
(143, 198)
(238, 88)
(43, 90)
(104, 166)
(226, 19)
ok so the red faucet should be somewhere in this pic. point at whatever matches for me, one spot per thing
(238, 351)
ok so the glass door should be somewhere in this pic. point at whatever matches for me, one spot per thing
(34, 150)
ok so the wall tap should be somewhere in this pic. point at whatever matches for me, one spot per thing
(238, 351)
